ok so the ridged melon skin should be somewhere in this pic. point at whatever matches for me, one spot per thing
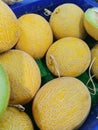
(94, 55)
(14, 119)
(4, 90)
(67, 20)
(68, 56)
(36, 35)
(9, 30)
(24, 75)
(61, 104)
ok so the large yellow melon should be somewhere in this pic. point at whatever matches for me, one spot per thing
(9, 30)
(14, 119)
(24, 75)
(61, 104)
(67, 20)
(36, 35)
(68, 56)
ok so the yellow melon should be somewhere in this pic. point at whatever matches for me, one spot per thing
(61, 104)
(67, 20)
(36, 35)
(24, 75)
(94, 55)
(9, 30)
(14, 119)
(68, 56)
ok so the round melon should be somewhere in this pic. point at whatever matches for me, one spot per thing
(68, 56)
(24, 75)
(14, 119)
(9, 30)
(36, 35)
(91, 22)
(67, 20)
(94, 55)
(61, 104)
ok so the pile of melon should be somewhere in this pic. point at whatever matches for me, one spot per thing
(64, 102)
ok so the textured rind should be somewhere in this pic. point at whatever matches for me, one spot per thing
(36, 35)
(9, 30)
(24, 75)
(69, 56)
(94, 55)
(13, 119)
(61, 104)
(67, 20)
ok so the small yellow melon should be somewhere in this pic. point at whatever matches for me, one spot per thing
(14, 119)
(36, 35)
(67, 20)
(9, 30)
(61, 104)
(24, 75)
(68, 56)
(94, 55)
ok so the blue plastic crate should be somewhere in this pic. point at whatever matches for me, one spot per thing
(38, 6)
